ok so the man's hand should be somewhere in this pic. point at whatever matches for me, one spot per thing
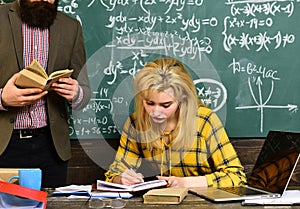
(12, 96)
(67, 88)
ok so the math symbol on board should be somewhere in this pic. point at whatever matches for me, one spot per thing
(261, 105)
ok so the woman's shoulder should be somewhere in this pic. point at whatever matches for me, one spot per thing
(203, 110)
(131, 120)
(132, 117)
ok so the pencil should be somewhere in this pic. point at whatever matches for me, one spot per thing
(133, 173)
(126, 164)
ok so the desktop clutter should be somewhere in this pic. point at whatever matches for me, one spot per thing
(153, 192)
(156, 192)
(103, 189)
(22, 188)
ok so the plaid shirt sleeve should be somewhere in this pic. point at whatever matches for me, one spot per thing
(226, 169)
(128, 149)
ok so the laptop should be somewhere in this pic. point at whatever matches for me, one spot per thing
(271, 173)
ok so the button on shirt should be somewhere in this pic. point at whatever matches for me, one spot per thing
(36, 46)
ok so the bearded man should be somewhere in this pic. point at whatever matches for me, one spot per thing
(34, 132)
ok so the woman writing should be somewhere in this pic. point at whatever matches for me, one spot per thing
(171, 129)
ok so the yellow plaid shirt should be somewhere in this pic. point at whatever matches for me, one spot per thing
(211, 155)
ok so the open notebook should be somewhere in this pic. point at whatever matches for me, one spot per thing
(271, 174)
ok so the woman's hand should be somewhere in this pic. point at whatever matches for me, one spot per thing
(129, 177)
(186, 182)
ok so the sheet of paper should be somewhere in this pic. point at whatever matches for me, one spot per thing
(73, 188)
(79, 190)
(75, 191)
(288, 198)
(111, 194)
(113, 187)
(95, 194)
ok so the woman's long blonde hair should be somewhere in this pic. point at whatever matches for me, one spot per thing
(162, 74)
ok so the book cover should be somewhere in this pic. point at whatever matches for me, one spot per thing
(34, 75)
(113, 187)
(7, 173)
(165, 196)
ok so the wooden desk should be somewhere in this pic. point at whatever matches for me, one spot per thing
(190, 202)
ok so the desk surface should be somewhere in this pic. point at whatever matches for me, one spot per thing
(190, 202)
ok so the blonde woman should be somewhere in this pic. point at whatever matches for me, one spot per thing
(183, 141)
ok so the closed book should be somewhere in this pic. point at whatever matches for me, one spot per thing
(7, 173)
(35, 76)
(165, 196)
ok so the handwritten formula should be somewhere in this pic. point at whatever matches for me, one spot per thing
(242, 54)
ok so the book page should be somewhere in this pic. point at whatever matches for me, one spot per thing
(61, 73)
(107, 186)
(29, 79)
(36, 67)
(148, 185)
(55, 76)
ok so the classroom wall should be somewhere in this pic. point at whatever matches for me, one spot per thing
(85, 170)
(242, 54)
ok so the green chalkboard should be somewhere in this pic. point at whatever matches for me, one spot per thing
(243, 56)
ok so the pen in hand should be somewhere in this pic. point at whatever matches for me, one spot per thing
(131, 172)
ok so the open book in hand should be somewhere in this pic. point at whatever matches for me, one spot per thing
(35, 75)
(113, 187)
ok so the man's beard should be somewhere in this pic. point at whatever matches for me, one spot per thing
(38, 14)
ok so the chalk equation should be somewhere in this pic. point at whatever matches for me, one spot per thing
(213, 38)
(258, 75)
(254, 42)
(137, 30)
(158, 30)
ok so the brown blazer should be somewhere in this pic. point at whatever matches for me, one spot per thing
(66, 50)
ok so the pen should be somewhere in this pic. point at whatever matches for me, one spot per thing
(130, 168)
(126, 164)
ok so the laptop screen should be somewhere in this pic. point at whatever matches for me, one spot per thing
(276, 161)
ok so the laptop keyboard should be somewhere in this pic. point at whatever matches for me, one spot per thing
(241, 191)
